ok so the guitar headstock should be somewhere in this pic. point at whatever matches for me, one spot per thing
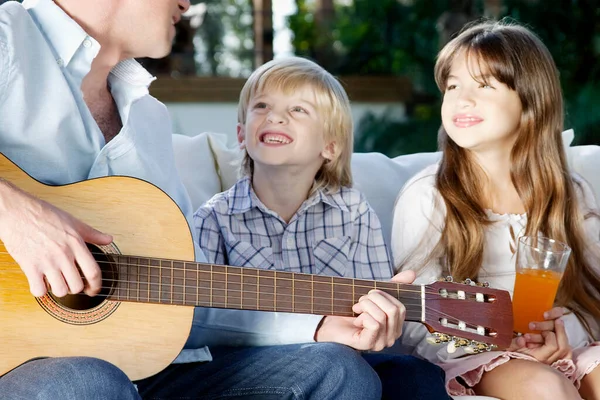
(468, 315)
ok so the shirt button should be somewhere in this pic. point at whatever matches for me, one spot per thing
(290, 241)
(60, 62)
(87, 43)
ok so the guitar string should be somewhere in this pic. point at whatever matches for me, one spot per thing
(295, 278)
(230, 299)
(411, 314)
(196, 291)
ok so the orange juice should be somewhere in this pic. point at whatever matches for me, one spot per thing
(534, 293)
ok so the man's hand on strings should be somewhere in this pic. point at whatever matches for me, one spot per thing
(49, 244)
(378, 324)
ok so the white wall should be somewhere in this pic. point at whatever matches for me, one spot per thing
(193, 118)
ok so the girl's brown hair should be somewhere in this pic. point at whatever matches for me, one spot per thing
(517, 58)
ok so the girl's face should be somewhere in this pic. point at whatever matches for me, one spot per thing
(477, 116)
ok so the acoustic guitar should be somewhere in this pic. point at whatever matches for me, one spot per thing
(143, 315)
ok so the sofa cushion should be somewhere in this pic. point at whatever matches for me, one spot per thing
(208, 165)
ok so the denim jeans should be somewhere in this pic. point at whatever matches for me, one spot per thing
(75, 378)
(407, 377)
(317, 371)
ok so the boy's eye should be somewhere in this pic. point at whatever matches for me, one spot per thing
(260, 105)
(450, 87)
(485, 86)
(299, 109)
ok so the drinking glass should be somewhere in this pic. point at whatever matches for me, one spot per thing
(540, 265)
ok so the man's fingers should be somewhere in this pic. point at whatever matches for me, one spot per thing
(90, 270)
(71, 275)
(57, 283)
(37, 285)
(91, 235)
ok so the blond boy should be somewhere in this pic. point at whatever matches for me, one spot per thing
(295, 210)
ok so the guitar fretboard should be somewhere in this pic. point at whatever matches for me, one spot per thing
(161, 281)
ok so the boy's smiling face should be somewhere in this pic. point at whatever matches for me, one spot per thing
(285, 129)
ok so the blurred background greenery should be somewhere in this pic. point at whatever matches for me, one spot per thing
(402, 38)
(395, 37)
(389, 38)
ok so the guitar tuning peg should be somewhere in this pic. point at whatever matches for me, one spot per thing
(470, 350)
(433, 340)
(468, 281)
(485, 284)
(451, 347)
(449, 278)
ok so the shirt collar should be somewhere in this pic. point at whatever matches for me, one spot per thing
(63, 33)
(242, 199)
(65, 36)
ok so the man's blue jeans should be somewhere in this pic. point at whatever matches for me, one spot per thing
(310, 371)
(75, 378)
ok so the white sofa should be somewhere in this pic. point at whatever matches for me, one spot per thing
(208, 166)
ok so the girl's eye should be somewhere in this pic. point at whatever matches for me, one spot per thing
(299, 109)
(260, 105)
(450, 87)
(485, 86)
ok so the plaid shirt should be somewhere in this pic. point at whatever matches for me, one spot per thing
(331, 234)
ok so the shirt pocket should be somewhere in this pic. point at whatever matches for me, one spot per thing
(331, 256)
(244, 254)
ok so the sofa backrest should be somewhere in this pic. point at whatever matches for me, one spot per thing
(208, 166)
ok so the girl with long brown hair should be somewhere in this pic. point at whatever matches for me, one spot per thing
(504, 174)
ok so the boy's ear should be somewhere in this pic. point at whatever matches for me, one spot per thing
(329, 152)
(241, 136)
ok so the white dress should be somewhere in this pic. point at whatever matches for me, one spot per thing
(419, 216)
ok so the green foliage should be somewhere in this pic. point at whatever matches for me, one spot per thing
(224, 44)
(399, 37)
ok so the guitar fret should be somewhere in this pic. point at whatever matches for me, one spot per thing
(171, 291)
(242, 288)
(312, 294)
(332, 288)
(160, 282)
(138, 279)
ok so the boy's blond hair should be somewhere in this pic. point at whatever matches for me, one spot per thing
(290, 74)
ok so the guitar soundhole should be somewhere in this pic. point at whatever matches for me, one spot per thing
(81, 301)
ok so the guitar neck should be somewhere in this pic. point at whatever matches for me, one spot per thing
(152, 280)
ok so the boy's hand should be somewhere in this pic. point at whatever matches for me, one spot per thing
(48, 244)
(378, 325)
(548, 346)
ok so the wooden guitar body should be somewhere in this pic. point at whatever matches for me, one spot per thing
(143, 221)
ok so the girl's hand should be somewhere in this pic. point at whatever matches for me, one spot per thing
(551, 344)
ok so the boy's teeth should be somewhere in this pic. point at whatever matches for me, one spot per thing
(275, 139)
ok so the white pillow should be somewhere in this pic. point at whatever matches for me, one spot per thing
(207, 166)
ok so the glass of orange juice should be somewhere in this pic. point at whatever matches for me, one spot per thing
(540, 264)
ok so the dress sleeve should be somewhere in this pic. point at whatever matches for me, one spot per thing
(418, 222)
(371, 258)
